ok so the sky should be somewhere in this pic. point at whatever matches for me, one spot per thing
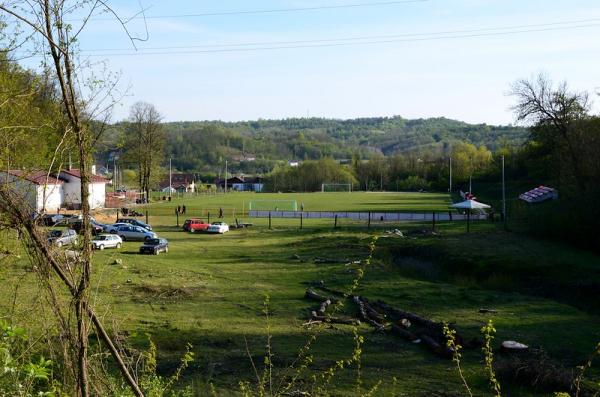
(209, 60)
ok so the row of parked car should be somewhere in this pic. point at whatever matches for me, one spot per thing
(195, 225)
(112, 236)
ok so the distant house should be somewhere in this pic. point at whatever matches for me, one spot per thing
(243, 157)
(182, 183)
(242, 184)
(72, 189)
(49, 192)
(41, 191)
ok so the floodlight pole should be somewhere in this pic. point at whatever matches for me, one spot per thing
(503, 193)
(471, 178)
(225, 176)
(170, 178)
(114, 175)
(450, 187)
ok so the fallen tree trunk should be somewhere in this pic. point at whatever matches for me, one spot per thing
(312, 294)
(364, 314)
(436, 347)
(404, 333)
(334, 320)
(321, 285)
(331, 260)
(398, 315)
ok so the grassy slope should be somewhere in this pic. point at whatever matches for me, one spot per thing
(209, 291)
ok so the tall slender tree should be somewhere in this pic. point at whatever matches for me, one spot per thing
(146, 142)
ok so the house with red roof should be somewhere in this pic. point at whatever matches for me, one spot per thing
(47, 192)
(42, 191)
(72, 189)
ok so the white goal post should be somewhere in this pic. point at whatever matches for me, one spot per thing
(336, 187)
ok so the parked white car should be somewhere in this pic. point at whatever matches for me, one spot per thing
(102, 241)
(218, 227)
(130, 232)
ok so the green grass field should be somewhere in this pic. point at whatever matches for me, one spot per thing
(357, 201)
(209, 291)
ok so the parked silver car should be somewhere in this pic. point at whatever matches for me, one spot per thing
(129, 232)
(113, 228)
(60, 237)
(102, 241)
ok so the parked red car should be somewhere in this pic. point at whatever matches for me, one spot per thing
(195, 225)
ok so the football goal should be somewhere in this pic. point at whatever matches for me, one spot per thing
(273, 205)
(336, 187)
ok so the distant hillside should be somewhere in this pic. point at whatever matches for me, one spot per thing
(198, 144)
(255, 146)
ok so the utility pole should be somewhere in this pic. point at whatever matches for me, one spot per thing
(450, 188)
(170, 177)
(114, 176)
(503, 194)
(471, 178)
(225, 176)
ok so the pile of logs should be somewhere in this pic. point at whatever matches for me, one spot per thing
(385, 318)
(319, 315)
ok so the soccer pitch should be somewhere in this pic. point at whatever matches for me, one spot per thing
(328, 201)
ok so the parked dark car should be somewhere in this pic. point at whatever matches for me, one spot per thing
(135, 222)
(154, 246)
(97, 228)
(60, 237)
(51, 219)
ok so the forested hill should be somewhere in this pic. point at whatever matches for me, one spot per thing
(199, 144)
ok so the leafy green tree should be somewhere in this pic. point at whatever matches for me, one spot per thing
(146, 142)
(468, 160)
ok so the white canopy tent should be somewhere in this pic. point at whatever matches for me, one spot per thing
(470, 205)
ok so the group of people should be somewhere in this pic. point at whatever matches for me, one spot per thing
(180, 210)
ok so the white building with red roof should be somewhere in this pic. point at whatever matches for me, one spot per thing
(42, 191)
(46, 192)
(72, 189)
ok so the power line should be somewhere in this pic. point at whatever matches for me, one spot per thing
(350, 41)
(315, 44)
(358, 38)
(272, 10)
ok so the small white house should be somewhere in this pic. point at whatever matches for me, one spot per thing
(43, 192)
(72, 189)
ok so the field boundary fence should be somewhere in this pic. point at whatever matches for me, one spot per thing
(369, 215)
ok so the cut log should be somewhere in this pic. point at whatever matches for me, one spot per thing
(511, 346)
(324, 307)
(331, 260)
(314, 295)
(363, 314)
(398, 315)
(373, 314)
(435, 347)
(321, 285)
(334, 320)
(403, 333)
